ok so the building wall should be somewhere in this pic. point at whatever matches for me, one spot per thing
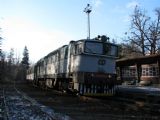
(129, 73)
(149, 72)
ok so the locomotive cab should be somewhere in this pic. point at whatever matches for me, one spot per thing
(91, 66)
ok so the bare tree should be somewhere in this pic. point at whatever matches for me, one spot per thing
(139, 29)
(154, 34)
(145, 33)
(128, 50)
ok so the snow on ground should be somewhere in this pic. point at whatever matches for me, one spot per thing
(22, 107)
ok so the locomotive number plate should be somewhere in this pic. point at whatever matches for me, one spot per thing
(101, 62)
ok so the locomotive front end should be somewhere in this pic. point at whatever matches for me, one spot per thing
(94, 68)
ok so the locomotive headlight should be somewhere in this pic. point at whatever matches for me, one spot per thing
(109, 76)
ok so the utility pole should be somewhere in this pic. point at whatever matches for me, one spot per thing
(88, 10)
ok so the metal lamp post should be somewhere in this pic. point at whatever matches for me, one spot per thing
(88, 10)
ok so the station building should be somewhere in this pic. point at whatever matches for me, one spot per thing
(145, 69)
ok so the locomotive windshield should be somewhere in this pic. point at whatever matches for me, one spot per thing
(100, 48)
(94, 48)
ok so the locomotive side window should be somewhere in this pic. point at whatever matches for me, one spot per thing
(110, 50)
(114, 51)
(107, 49)
(78, 48)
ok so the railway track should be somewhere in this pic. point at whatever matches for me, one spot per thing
(87, 108)
(24, 99)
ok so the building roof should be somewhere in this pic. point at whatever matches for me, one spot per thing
(150, 59)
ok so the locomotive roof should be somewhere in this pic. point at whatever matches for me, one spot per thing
(55, 51)
(81, 40)
(93, 40)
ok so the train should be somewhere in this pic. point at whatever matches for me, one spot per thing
(85, 67)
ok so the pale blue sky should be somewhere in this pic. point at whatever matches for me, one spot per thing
(53, 23)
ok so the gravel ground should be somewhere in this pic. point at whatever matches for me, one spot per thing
(84, 108)
(18, 106)
(30, 103)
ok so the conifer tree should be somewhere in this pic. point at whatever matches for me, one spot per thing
(25, 59)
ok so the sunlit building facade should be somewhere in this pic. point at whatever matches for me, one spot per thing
(139, 69)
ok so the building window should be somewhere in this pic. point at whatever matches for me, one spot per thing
(150, 70)
(129, 71)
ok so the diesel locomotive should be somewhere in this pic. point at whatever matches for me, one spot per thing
(85, 66)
